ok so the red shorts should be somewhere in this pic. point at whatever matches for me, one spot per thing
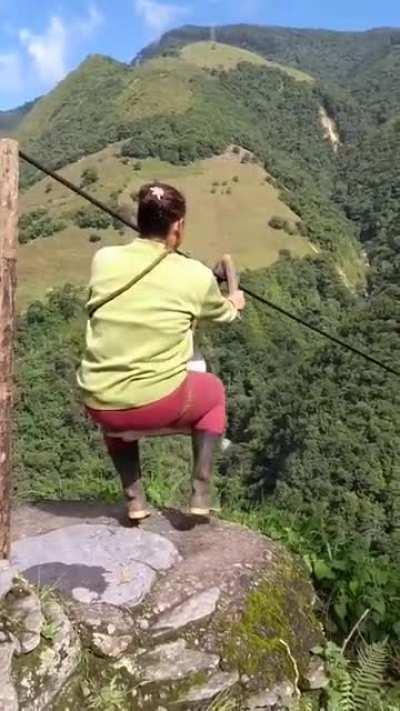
(198, 404)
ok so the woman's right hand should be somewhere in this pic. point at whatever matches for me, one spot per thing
(238, 299)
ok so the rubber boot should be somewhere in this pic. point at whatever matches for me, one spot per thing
(127, 463)
(204, 445)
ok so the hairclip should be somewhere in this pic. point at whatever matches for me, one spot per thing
(157, 192)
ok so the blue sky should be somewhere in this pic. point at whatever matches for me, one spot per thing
(41, 40)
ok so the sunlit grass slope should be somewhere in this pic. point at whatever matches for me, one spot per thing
(216, 55)
(224, 216)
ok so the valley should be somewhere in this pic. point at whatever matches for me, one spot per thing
(230, 206)
(286, 143)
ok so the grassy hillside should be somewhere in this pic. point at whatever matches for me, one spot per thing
(332, 56)
(175, 111)
(358, 71)
(230, 205)
(104, 101)
(215, 55)
(100, 101)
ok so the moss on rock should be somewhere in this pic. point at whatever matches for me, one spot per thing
(273, 637)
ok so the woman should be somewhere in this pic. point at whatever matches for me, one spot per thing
(144, 298)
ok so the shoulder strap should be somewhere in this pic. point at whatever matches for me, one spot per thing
(110, 297)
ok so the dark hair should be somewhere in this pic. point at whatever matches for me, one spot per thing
(160, 205)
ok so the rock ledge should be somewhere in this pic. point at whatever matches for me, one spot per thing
(166, 616)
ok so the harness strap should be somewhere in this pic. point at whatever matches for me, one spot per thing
(130, 284)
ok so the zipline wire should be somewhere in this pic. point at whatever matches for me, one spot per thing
(115, 215)
(79, 191)
(320, 331)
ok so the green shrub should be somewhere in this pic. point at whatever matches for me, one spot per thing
(278, 223)
(94, 238)
(301, 228)
(137, 166)
(235, 179)
(285, 254)
(92, 217)
(271, 181)
(36, 224)
(89, 176)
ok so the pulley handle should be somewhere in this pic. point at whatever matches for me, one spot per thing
(225, 271)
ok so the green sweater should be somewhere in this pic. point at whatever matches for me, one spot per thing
(139, 344)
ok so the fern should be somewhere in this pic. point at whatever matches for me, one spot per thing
(346, 693)
(362, 688)
(112, 697)
(369, 677)
(306, 705)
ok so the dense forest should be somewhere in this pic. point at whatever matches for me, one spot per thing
(315, 430)
(357, 71)
(10, 120)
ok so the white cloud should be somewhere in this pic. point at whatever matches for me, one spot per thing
(10, 72)
(89, 24)
(158, 16)
(49, 50)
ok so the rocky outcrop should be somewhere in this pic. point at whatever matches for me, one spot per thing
(168, 616)
(330, 129)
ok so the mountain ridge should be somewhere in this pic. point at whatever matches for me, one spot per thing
(286, 44)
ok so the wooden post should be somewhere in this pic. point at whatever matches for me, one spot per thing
(9, 170)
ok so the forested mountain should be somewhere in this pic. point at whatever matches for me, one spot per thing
(176, 110)
(369, 190)
(10, 120)
(357, 70)
(315, 430)
(325, 54)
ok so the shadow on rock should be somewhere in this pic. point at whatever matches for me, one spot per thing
(68, 578)
(184, 522)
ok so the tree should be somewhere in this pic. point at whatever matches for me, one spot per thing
(38, 224)
(89, 176)
(277, 223)
(92, 217)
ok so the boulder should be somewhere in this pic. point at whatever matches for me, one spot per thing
(218, 683)
(25, 617)
(173, 661)
(44, 673)
(110, 645)
(95, 563)
(169, 615)
(194, 608)
(8, 694)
